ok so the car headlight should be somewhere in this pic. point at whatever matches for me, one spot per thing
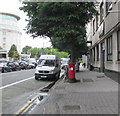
(36, 70)
(51, 72)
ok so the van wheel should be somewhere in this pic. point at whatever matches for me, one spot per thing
(36, 78)
(58, 75)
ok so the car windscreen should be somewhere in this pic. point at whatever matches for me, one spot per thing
(46, 63)
(11, 63)
(16, 63)
(64, 61)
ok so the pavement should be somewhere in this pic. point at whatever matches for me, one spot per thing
(94, 93)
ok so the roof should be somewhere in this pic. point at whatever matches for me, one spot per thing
(9, 14)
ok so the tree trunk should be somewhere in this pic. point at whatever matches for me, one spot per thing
(72, 56)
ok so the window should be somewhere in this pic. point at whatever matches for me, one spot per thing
(96, 22)
(109, 48)
(2, 16)
(94, 54)
(44, 62)
(118, 44)
(4, 33)
(4, 45)
(97, 52)
(101, 12)
(93, 26)
(4, 39)
(108, 7)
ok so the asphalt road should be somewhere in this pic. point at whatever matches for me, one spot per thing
(18, 88)
(15, 76)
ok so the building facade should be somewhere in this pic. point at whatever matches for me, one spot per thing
(9, 32)
(104, 34)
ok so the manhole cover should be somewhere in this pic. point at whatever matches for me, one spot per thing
(87, 80)
(73, 107)
(101, 76)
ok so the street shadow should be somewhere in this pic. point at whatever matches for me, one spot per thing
(47, 79)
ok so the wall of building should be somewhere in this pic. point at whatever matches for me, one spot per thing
(106, 28)
(9, 31)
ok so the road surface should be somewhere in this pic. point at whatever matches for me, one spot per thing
(18, 88)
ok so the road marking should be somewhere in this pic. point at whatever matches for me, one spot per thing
(16, 72)
(26, 107)
(16, 83)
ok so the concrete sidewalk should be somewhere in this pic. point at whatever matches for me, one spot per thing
(94, 94)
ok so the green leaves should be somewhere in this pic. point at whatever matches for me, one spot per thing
(35, 52)
(63, 22)
(52, 51)
(26, 49)
(13, 53)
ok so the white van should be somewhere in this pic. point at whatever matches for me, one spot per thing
(49, 66)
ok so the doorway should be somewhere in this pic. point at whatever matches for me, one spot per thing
(102, 57)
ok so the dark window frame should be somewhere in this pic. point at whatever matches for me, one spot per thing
(118, 45)
(94, 54)
(96, 22)
(109, 49)
(94, 27)
(101, 12)
(97, 49)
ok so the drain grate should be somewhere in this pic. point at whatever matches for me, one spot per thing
(87, 80)
(73, 107)
(102, 76)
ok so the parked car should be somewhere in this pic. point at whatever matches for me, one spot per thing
(27, 65)
(32, 65)
(64, 62)
(5, 68)
(22, 65)
(12, 65)
(18, 67)
(32, 62)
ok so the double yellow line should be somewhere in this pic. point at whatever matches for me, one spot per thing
(26, 107)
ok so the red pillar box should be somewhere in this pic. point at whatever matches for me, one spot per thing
(71, 71)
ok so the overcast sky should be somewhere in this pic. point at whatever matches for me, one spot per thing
(12, 6)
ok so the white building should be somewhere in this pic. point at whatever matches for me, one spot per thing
(9, 31)
(104, 33)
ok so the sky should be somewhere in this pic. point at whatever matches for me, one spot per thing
(12, 6)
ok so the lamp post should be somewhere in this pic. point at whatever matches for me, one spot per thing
(42, 49)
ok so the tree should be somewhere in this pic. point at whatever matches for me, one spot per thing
(13, 53)
(63, 22)
(26, 49)
(35, 52)
(52, 51)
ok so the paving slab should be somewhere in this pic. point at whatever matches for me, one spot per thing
(93, 94)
